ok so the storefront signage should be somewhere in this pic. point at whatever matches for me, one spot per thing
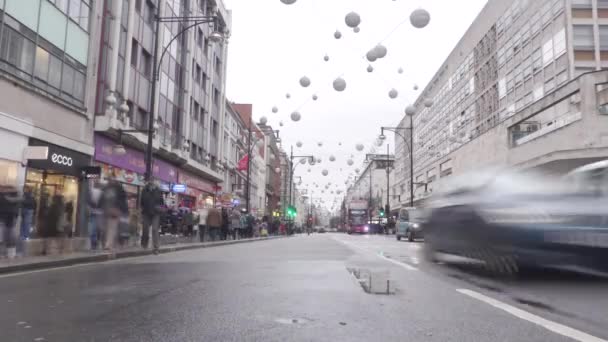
(132, 160)
(178, 188)
(192, 181)
(59, 159)
(91, 172)
(121, 175)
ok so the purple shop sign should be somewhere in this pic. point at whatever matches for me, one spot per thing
(133, 160)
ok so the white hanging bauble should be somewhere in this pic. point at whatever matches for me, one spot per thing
(356, 29)
(303, 161)
(371, 55)
(337, 34)
(304, 81)
(299, 144)
(275, 109)
(320, 143)
(288, 2)
(287, 95)
(352, 20)
(295, 116)
(370, 68)
(400, 70)
(359, 147)
(415, 87)
(393, 93)
(339, 84)
(281, 123)
(315, 97)
(420, 18)
(324, 172)
(263, 120)
(410, 110)
(332, 158)
(326, 58)
(350, 162)
(380, 51)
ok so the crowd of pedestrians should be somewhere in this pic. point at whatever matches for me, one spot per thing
(109, 225)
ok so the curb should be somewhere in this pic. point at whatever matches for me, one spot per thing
(97, 258)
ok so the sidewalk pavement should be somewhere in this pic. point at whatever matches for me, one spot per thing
(43, 262)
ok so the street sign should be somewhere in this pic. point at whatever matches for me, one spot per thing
(178, 188)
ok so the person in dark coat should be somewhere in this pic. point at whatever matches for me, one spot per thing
(152, 207)
(9, 211)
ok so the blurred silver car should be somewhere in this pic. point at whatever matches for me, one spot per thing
(505, 221)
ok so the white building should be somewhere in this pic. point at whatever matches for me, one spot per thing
(515, 92)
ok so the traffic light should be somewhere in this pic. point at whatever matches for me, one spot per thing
(292, 211)
(381, 212)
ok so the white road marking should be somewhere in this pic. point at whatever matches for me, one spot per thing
(402, 264)
(381, 255)
(522, 314)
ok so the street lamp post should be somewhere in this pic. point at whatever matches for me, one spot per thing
(410, 146)
(293, 168)
(198, 20)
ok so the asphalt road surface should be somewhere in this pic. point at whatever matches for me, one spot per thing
(303, 288)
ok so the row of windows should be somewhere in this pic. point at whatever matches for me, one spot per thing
(77, 10)
(584, 38)
(42, 64)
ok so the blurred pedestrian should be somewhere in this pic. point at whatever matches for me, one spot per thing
(264, 226)
(28, 207)
(94, 214)
(114, 206)
(214, 223)
(152, 204)
(225, 224)
(9, 211)
(236, 224)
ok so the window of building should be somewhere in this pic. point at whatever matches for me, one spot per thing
(559, 43)
(502, 89)
(603, 31)
(134, 53)
(548, 52)
(42, 64)
(146, 64)
(214, 128)
(216, 97)
(583, 37)
(581, 3)
(538, 92)
(200, 38)
(537, 62)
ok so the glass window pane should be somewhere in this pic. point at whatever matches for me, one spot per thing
(42, 64)
(583, 36)
(84, 16)
(77, 44)
(55, 72)
(603, 29)
(52, 25)
(67, 84)
(27, 56)
(75, 9)
(79, 85)
(25, 11)
(62, 5)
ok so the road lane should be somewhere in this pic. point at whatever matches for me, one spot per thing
(570, 299)
(295, 289)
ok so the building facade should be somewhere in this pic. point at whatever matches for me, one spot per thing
(48, 68)
(372, 183)
(522, 88)
(189, 111)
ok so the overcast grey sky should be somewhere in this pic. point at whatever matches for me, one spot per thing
(273, 45)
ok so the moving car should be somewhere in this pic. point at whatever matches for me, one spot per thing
(322, 230)
(409, 224)
(507, 221)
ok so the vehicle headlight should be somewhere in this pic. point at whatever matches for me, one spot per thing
(366, 228)
(415, 225)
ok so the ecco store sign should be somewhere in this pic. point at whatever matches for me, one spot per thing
(58, 159)
(62, 160)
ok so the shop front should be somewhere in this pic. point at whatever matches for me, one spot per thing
(56, 182)
(199, 193)
(129, 168)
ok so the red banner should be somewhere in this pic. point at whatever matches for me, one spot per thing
(243, 163)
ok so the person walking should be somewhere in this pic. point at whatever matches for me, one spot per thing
(94, 214)
(9, 211)
(225, 224)
(236, 224)
(28, 207)
(151, 209)
(113, 203)
(214, 223)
